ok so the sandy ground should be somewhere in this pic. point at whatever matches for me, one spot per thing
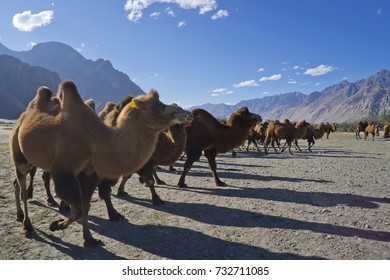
(333, 203)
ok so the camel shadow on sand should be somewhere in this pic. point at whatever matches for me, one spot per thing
(183, 244)
(223, 216)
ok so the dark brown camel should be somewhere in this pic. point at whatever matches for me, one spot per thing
(207, 134)
(360, 127)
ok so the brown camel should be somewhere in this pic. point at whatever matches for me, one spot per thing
(68, 142)
(386, 130)
(330, 128)
(207, 134)
(360, 127)
(286, 130)
(256, 134)
(63, 207)
(314, 133)
(370, 129)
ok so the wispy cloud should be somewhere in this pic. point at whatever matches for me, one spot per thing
(155, 15)
(319, 70)
(379, 12)
(30, 44)
(220, 14)
(170, 12)
(219, 90)
(291, 81)
(136, 7)
(271, 78)
(26, 21)
(250, 83)
(181, 24)
(261, 69)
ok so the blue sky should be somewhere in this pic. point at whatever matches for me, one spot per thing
(219, 51)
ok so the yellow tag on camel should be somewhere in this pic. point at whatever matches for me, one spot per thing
(132, 104)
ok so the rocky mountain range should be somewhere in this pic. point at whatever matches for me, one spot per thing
(342, 102)
(21, 72)
(18, 84)
(94, 79)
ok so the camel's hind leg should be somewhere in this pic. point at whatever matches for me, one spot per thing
(20, 189)
(146, 173)
(210, 155)
(30, 188)
(192, 156)
(121, 188)
(68, 189)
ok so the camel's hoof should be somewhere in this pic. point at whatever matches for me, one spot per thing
(92, 242)
(182, 185)
(221, 184)
(157, 201)
(20, 217)
(64, 207)
(122, 193)
(27, 231)
(159, 182)
(115, 216)
(51, 202)
(56, 225)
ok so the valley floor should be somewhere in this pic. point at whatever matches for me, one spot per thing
(333, 203)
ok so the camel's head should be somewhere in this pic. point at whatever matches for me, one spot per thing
(246, 116)
(155, 114)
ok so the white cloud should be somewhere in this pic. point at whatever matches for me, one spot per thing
(317, 84)
(271, 78)
(250, 83)
(261, 69)
(220, 14)
(170, 12)
(214, 94)
(265, 93)
(296, 67)
(379, 12)
(319, 70)
(26, 21)
(219, 90)
(291, 81)
(155, 15)
(181, 24)
(136, 7)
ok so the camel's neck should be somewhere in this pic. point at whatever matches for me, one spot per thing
(122, 150)
(232, 136)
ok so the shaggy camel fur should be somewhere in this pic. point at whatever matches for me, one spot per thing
(66, 142)
(286, 130)
(207, 134)
(330, 128)
(386, 130)
(370, 129)
(360, 127)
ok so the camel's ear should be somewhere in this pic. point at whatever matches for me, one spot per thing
(154, 94)
(243, 110)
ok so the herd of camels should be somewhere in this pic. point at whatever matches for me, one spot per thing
(82, 151)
